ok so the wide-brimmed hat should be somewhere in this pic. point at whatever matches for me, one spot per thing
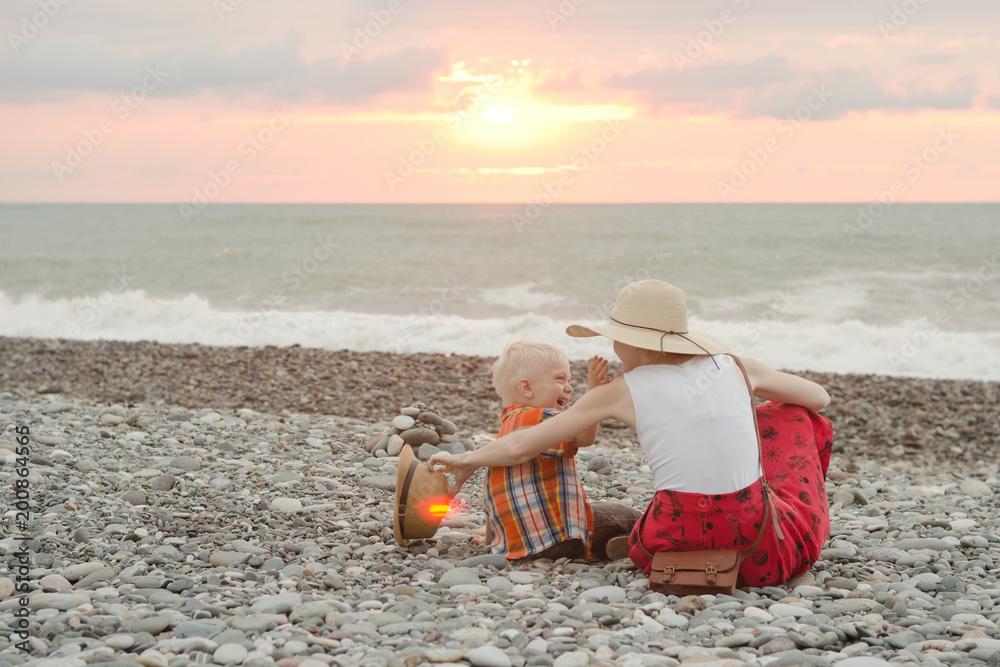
(652, 315)
(422, 499)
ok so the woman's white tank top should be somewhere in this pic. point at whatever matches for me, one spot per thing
(695, 425)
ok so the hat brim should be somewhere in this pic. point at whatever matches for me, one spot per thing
(412, 515)
(690, 343)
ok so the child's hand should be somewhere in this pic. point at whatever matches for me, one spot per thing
(597, 374)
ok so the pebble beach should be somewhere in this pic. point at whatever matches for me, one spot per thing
(212, 505)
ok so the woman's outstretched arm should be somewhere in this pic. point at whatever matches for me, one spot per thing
(593, 407)
(772, 385)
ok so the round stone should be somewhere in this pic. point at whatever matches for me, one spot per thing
(459, 576)
(611, 594)
(154, 625)
(572, 659)
(395, 445)
(974, 487)
(230, 654)
(189, 463)
(425, 452)
(55, 582)
(163, 482)
(488, 656)
(598, 463)
(403, 422)
(228, 558)
(285, 505)
(135, 497)
(430, 418)
(121, 642)
(81, 570)
(757, 612)
(420, 436)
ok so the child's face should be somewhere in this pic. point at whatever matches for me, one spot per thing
(549, 387)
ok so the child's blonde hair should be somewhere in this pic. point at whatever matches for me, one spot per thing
(518, 360)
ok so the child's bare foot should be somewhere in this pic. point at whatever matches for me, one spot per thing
(479, 535)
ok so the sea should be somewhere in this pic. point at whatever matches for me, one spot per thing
(898, 289)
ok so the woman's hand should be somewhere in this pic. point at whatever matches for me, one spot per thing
(597, 373)
(457, 464)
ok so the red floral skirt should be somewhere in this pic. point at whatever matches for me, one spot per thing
(796, 448)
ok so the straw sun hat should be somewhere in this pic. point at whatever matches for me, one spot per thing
(422, 499)
(652, 315)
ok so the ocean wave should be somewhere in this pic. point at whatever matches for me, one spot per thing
(916, 348)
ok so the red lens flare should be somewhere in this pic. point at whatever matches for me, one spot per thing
(435, 508)
(438, 510)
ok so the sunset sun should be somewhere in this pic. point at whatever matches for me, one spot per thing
(498, 114)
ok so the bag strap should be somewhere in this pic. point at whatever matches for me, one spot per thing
(769, 508)
(770, 513)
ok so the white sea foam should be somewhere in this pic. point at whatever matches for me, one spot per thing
(916, 348)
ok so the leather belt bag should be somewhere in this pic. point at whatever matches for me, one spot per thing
(695, 572)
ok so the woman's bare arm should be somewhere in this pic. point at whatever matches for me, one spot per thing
(601, 403)
(772, 385)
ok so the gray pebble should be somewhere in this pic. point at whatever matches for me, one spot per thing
(459, 575)
(206, 627)
(488, 656)
(135, 497)
(426, 451)
(189, 463)
(163, 482)
(420, 436)
(154, 625)
(487, 560)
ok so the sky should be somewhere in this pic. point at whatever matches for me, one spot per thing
(403, 101)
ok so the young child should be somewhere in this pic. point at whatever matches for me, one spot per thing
(539, 508)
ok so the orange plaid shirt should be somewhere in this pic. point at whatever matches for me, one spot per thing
(540, 503)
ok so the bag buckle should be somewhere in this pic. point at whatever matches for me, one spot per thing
(710, 571)
(668, 572)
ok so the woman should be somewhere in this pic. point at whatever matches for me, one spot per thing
(689, 405)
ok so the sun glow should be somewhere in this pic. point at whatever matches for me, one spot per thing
(498, 114)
